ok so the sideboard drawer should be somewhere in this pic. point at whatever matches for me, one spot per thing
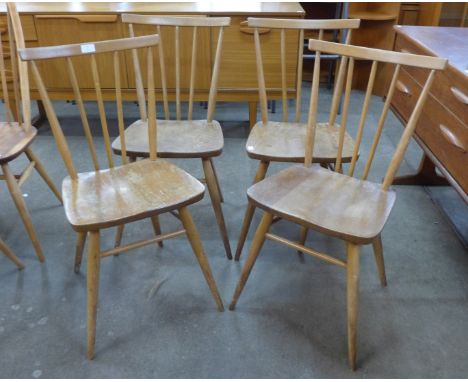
(406, 94)
(447, 137)
(238, 64)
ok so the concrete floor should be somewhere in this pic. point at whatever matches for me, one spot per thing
(157, 318)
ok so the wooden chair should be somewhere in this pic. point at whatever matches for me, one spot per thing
(283, 141)
(111, 197)
(17, 136)
(337, 204)
(197, 139)
(9, 253)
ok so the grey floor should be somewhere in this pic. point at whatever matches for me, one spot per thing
(157, 318)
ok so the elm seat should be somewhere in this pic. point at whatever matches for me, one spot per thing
(14, 139)
(106, 198)
(284, 141)
(326, 201)
(176, 139)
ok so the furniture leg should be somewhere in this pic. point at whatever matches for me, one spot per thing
(94, 263)
(252, 113)
(221, 197)
(197, 247)
(43, 173)
(215, 201)
(80, 242)
(21, 206)
(39, 119)
(379, 259)
(249, 212)
(425, 176)
(257, 244)
(352, 300)
(156, 228)
(8, 253)
(302, 239)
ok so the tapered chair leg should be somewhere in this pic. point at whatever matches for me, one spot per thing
(257, 244)
(221, 197)
(118, 236)
(215, 201)
(80, 242)
(156, 228)
(197, 247)
(249, 212)
(94, 263)
(8, 253)
(43, 173)
(21, 206)
(302, 239)
(352, 300)
(379, 259)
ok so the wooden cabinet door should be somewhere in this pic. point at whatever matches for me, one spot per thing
(203, 63)
(68, 29)
(238, 66)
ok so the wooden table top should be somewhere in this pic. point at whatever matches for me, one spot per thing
(204, 7)
(447, 42)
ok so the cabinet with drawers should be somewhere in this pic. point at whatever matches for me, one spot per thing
(442, 130)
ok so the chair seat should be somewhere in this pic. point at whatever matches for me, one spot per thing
(320, 199)
(176, 139)
(110, 197)
(284, 142)
(14, 140)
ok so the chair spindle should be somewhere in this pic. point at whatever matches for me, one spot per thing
(193, 65)
(138, 80)
(118, 101)
(214, 77)
(162, 67)
(152, 136)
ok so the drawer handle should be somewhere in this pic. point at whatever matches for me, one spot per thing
(452, 138)
(403, 88)
(244, 28)
(83, 18)
(459, 95)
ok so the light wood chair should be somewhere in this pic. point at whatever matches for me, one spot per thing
(180, 138)
(117, 195)
(9, 253)
(337, 204)
(283, 141)
(16, 136)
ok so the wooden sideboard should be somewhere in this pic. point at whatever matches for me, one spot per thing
(64, 23)
(442, 131)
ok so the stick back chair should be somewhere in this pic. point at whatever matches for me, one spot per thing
(283, 141)
(181, 138)
(16, 136)
(117, 195)
(331, 202)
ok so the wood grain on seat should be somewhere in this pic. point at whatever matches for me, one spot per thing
(284, 142)
(176, 139)
(106, 198)
(348, 208)
(14, 139)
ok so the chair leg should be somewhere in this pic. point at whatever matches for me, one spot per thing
(118, 236)
(215, 201)
(80, 242)
(21, 206)
(257, 244)
(352, 300)
(43, 173)
(221, 197)
(249, 212)
(379, 259)
(302, 239)
(94, 263)
(156, 228)
(197, 247)
(8, 253)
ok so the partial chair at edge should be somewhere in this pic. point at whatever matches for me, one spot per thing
(17, 133)
(335, 204)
